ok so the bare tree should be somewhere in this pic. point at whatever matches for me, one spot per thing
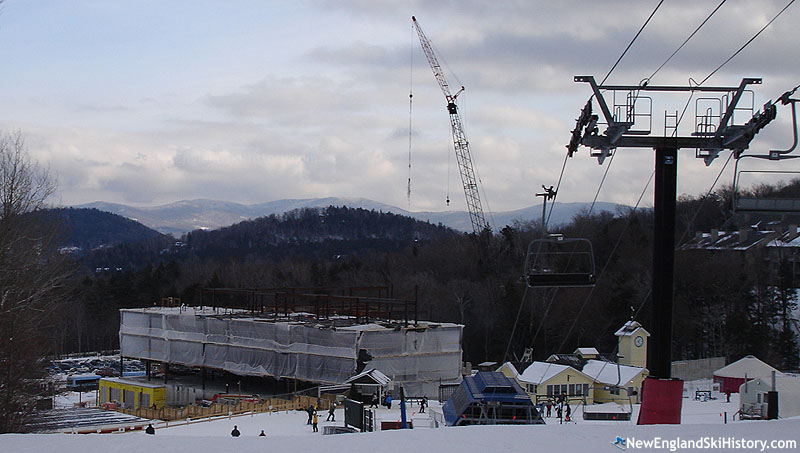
(32, 281)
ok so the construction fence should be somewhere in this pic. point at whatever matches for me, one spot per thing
(192, 412)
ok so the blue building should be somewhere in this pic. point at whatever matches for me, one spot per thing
(490, 398)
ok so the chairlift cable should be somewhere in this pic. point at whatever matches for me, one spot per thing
(564, 165)
(686, 40)
(632, 41)
(608, 74)
(608, 261)
(748, 42)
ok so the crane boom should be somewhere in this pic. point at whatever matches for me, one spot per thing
(463, 154)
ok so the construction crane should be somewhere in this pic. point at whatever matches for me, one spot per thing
(463, 155)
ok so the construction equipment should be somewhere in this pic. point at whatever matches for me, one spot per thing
(463, 155)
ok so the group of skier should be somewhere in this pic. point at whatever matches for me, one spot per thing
(561, 405)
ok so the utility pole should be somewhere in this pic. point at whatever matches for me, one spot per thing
(714, 132)
(548, 194)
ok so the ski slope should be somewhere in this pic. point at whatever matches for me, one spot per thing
(702, 421)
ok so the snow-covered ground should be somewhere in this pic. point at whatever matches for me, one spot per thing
(288, 432)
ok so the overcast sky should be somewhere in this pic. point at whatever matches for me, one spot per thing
(151, 102)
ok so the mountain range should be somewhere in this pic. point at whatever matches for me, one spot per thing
(183, 216)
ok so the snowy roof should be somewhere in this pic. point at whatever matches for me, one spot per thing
(747, 365)
(586, 351)
(606, 408)
(376, 376)
(609, 373)
(141, 382)
(510, 366)
(539, 372)
(629, 327)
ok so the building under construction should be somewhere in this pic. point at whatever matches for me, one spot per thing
(315, 335)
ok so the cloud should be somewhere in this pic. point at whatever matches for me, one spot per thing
(317, 104)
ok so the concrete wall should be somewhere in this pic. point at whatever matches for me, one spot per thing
(690, 370)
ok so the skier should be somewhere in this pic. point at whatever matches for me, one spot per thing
(263, 434)
(310, 411)
(549, 408)
(331, 414)
(235, 432)
(314, 424)
(423, 404)
(567, 412)
(150, 429)
(388, 401)
(374, 402)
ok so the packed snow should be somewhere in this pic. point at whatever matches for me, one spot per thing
(287, 431)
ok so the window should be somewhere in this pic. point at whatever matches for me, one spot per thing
(113, 394)
(759, 398)
(571, 390)
(586, 389)
(550, 390)
(614, 390)
(531, 388)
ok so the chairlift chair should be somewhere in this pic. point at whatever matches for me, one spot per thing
(555, 262)
(762, 204)
(773, 205)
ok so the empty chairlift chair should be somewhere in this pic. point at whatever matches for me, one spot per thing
(556, 261)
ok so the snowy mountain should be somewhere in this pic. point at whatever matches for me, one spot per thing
(183, 216)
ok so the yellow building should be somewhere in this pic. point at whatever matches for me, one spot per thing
(586, 376)
(131, 393)
(632, 344)
(543, 381)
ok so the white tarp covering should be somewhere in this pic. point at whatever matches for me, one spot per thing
(419, 358)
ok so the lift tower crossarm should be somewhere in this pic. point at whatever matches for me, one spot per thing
(463, 154)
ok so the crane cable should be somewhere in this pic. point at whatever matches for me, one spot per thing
(410, 116)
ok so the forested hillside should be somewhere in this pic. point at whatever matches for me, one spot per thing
(723, 306)
(87, 229)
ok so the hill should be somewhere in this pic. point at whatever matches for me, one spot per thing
(87, 229)
(315, 233)
(183, 216)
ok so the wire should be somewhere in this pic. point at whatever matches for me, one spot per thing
(687, 40)
(636, 36)
(410, 116)
(748, 42)
(514, 329)
(608, 261)
(564, 165)
(632, 41)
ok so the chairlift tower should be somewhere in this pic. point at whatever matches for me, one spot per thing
(629, 126)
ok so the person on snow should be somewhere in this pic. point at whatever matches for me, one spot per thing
(331, 414)
(310, 411)
(314, 424)
(263, 434)
(423, 404)
(150, 429)
(374, 401)
(235, 432)
(388, 401)
(567, 412)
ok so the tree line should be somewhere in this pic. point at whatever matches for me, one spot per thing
(52, 303)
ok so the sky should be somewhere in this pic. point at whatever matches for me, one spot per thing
(152, 102)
